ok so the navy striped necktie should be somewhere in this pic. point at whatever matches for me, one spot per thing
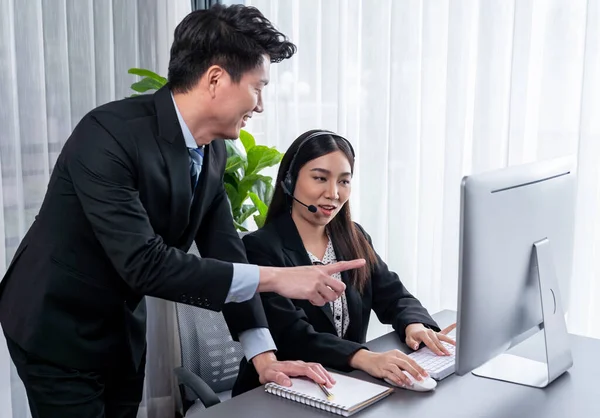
(196, 159)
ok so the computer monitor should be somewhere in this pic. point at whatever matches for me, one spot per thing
(516, 238)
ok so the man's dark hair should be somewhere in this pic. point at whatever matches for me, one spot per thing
(234, 37)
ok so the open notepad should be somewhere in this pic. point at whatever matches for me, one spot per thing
(350, 394)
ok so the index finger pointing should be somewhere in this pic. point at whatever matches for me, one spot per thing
(344, 265)
(448, 329)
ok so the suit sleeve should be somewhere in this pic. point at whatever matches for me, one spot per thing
(217, 238)
(104, 176)
(295, 337)
(392, 302)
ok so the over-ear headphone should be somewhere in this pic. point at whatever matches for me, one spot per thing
(288, 182)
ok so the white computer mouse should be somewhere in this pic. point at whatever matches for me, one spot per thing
(424, 385)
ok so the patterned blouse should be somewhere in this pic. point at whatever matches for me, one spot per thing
(339, 307)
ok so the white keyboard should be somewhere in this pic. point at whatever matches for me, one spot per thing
(438, 367)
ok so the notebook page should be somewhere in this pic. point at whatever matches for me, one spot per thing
(348, 391)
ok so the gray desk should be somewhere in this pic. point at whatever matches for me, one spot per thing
(574, 394)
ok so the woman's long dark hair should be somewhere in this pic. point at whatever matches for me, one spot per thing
(349, 241)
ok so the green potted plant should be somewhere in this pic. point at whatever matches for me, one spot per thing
(248, 190)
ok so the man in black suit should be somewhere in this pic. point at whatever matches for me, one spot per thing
(138, 180)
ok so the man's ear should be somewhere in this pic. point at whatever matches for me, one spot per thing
(215, 76)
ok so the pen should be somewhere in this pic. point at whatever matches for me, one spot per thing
(327, 393)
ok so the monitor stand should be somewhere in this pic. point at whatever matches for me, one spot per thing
(516, 369)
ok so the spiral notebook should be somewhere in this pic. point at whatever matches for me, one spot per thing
(350, 395)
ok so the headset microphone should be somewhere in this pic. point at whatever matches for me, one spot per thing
(311, 208)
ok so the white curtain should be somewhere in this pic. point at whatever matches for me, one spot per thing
(427, 91)
(430, 91)
(58, 60)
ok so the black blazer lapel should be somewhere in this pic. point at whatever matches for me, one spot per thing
(354, 301)
(296, 253)
(175, 153)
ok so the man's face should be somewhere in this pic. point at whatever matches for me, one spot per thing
(234, 103)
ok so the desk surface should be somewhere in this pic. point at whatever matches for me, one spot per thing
(575, 393)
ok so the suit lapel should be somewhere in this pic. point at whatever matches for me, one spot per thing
(353, 299)
(295, 251)
(175, 153)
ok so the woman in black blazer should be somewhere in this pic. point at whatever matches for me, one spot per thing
(308, 223)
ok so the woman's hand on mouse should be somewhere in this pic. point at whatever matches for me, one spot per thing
(388, 365)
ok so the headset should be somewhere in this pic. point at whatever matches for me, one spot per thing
(287, 184)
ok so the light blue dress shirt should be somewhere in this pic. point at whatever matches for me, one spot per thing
(244, 282)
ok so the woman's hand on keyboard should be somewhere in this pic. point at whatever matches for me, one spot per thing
(418, 333)
(388, 365)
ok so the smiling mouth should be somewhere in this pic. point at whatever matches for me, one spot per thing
(327, 207)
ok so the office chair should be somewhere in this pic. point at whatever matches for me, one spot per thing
(209, 357)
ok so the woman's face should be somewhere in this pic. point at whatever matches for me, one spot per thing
(326, 183)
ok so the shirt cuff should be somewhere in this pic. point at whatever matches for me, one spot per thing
(244, 283)
(256, 341)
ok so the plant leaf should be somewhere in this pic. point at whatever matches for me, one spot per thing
(232, 150)
(263, 187)
(234, 163)
(234, 198)
(262, 210)
(243, 188)
(247, 183)
(247, 140)
(239, 227)
(260, 157)
(147, 73)
(259, 220)
(260, 205)
(232, 179)
(146, 84)
(246, 212)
